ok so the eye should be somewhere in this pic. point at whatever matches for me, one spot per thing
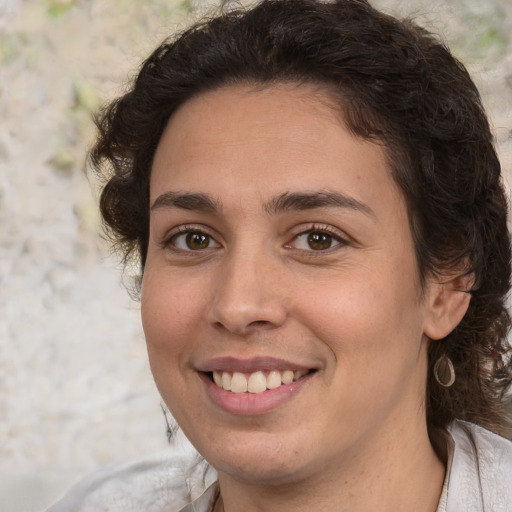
(192, 241)
(316, 241)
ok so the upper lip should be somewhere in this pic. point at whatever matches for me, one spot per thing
(260, 363)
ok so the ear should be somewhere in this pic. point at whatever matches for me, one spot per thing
(447, 301)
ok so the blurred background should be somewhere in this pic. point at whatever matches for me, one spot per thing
(75, 388)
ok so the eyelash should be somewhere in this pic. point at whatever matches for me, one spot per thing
(169, 241)
(327, 230)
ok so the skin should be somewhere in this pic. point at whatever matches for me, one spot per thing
(354, 436)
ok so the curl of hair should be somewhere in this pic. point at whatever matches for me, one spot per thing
(396, 85)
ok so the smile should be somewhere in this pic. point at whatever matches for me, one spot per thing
(256, 382)
(254, 386)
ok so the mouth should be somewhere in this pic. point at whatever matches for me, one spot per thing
(256, 382)
(254, 386)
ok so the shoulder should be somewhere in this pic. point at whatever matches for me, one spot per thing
(168, 482)
(481, 470)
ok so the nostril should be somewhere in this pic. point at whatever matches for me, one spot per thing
(242, 317)
(259, 323)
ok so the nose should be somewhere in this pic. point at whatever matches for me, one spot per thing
(247, 296)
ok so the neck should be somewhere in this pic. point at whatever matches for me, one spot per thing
(400, 475)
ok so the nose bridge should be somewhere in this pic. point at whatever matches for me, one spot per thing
(246, 296)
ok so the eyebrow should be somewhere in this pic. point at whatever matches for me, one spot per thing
(187, 201)
(288, 201)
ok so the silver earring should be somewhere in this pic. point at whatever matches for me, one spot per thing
(444, 372)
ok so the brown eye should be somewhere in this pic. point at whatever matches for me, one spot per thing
(193, 241)
(197, 241)
(319, 241)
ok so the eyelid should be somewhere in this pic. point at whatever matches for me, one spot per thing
(184, 229)
(328, 229)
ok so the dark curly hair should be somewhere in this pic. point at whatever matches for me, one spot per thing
(395, 84)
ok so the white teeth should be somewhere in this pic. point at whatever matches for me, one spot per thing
(226, 381)
(217, 378)
(298, 374)
(257, 381)
(274, 379)
(238, 383)
(287, 377)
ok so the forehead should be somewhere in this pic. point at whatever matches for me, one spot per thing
(244, 140)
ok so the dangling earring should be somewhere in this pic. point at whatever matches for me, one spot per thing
(444, 371)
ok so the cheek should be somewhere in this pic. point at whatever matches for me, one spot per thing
(340, 304)
(167, 320)
(367, 315)
(374, 335)
(170, 313)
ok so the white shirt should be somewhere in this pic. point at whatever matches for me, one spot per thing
(479, 473)
(478, 479)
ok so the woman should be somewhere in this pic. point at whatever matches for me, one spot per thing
(314, 198)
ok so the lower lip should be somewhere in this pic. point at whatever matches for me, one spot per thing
(253, 403)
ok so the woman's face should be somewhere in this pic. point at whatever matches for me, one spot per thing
(280, 249)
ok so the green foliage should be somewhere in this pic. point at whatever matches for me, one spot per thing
(63, 160)
(186, 5)
(86, 97)
(492, 37)
(55, 9)
(8, 48)
(487, 34)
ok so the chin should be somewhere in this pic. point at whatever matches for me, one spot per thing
(261, 472)
(266, 461)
